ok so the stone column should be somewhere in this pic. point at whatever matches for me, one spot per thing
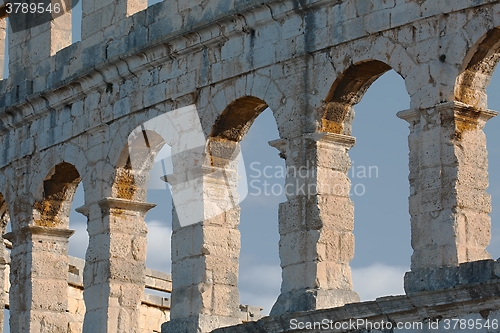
(39, 279)
(449, 205)
(205, 244)
(115, 269)
(36, 37)
(316, 224)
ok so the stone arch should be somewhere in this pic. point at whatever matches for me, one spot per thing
(121, 130)
(223, 152)
(135, 146)
(134, 163)
(377, 56)
(244, 94)
(235, 105)
(235, 121)
(58, 189)
(231, 127)
(346, 91)
(478, 67)
(119, 133)
(69, 153)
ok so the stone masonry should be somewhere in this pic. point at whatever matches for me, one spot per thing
(68, 112)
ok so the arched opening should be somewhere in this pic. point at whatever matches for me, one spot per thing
(378, 173)
(477, 86)
(45, 233)
(159, 219)
(58, 190)
(493, 136)
(54, 212)
(247, 125)
(379, 180)
(235, 121)
(136, 160)
(79, 242)
(77, 247)
(140, 177)
(346, 91)
(158, 288)
(479, 65)
(260, 272)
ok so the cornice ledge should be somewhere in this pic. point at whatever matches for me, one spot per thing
(125, 204)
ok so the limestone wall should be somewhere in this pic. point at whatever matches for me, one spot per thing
(154, 310)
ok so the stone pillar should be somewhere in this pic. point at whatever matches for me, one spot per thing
(96, 19)
(35, 37)
(115, 269)
(206, 246)
(316, 224)
(449, 205)
(39, 279)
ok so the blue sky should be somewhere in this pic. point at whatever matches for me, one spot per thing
(382, 223)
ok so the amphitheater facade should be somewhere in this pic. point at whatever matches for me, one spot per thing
(70, 114)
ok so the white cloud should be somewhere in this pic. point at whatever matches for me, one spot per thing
(378, 280)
